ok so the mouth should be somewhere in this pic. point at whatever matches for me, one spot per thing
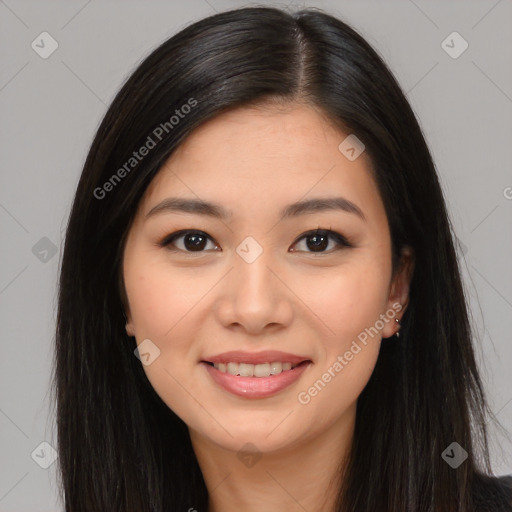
(255, 375)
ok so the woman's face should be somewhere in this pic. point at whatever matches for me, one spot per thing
(255, 282)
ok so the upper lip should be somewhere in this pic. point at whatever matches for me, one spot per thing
(267, 356)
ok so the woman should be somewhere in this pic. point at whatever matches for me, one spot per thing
(260, 303)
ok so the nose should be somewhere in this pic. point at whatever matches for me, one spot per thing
(255, 297)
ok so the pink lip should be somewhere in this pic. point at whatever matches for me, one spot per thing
(256, 387)
(267, 356)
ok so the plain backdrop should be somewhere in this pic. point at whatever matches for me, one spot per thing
(50, 108)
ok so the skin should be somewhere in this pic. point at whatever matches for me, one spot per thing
(255, 161)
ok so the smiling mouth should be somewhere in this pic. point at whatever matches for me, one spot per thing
(256, 370)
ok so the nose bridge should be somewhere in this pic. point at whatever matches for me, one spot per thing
(255, 296)
(254, 282)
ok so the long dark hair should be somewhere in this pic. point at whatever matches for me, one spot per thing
(120, 446)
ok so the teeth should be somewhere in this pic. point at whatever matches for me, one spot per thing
(262, 370)
(276, 368)
(246, 370)
(232, 368)
(254, 370)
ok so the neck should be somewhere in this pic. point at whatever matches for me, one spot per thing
(303, 475)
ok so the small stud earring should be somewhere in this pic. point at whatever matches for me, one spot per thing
(399, 326)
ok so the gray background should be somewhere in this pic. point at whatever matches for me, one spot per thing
(50, 109)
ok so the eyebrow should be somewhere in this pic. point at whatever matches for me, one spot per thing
(200, 207)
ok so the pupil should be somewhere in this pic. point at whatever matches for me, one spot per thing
(197, 242)
(321, 242)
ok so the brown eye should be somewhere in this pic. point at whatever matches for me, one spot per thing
(318, 240)
(188, 241)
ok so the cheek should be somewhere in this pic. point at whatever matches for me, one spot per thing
(162, 310)
(160, 306)
(160, 298)
(348, 300)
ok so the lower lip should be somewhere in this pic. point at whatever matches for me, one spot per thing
(256, 387)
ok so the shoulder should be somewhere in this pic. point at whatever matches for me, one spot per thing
(493, 493)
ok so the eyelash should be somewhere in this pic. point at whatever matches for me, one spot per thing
(337, 237)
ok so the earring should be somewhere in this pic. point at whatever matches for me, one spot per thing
(399, 326)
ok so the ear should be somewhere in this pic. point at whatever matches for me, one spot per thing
(129, 326)
(399, 291)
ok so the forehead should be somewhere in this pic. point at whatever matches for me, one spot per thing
(264, 155)
(263, 131)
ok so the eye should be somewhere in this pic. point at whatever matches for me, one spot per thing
(318, 240)
(193, 241)
(196, 241)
